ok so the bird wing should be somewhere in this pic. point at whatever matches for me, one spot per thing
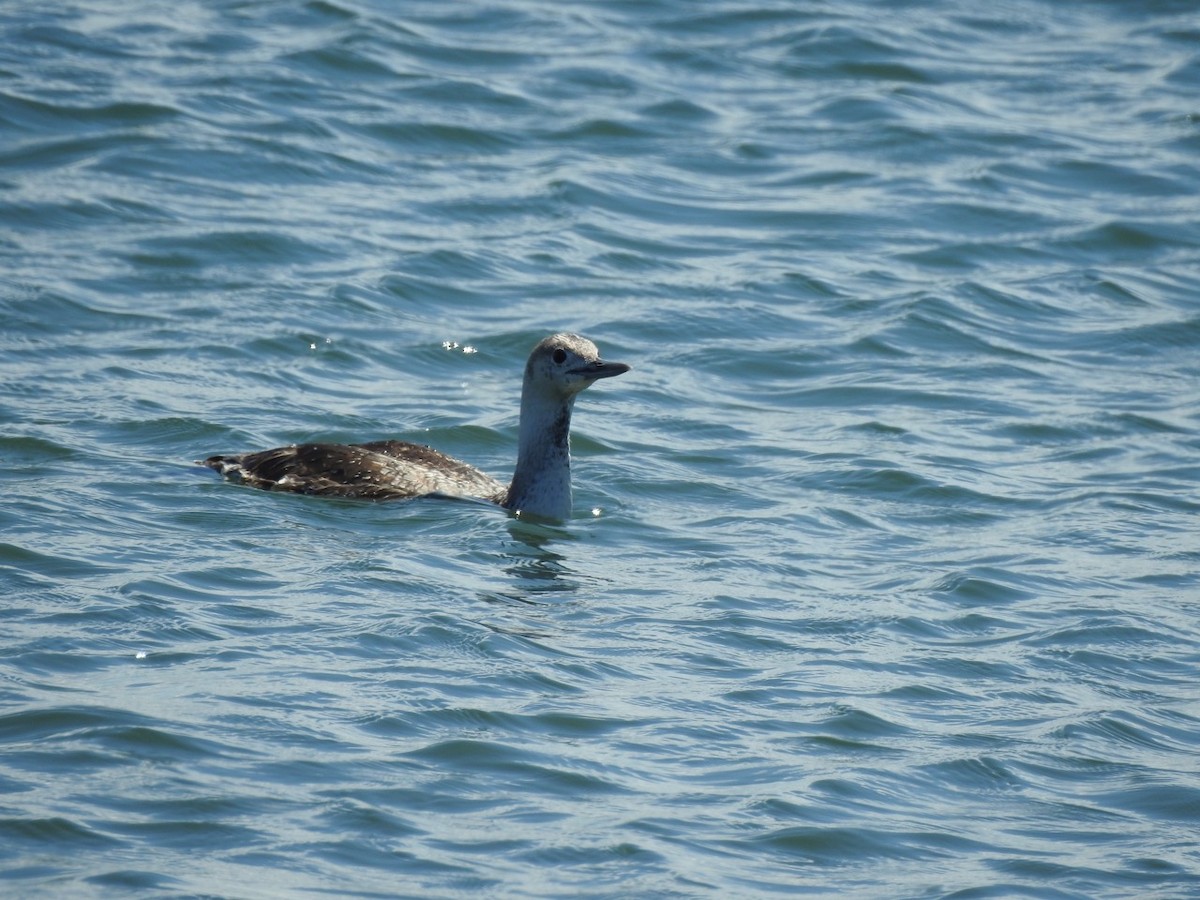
(381, 470)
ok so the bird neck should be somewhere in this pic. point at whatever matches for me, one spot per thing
(541, 484)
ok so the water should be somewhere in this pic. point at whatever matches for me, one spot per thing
(883, 578)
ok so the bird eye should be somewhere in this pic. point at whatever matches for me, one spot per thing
(560, 356)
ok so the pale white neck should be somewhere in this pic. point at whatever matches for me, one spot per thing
(541, 484)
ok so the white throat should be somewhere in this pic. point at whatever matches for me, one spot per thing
(541, 484)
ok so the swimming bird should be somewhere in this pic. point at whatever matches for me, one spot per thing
(558, 369)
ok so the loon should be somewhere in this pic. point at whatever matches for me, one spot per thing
(559, 367)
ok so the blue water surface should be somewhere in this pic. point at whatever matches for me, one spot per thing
(883, 578)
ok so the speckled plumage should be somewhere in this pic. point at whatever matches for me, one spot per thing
(559, 368)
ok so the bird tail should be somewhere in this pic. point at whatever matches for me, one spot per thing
(226, 465)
